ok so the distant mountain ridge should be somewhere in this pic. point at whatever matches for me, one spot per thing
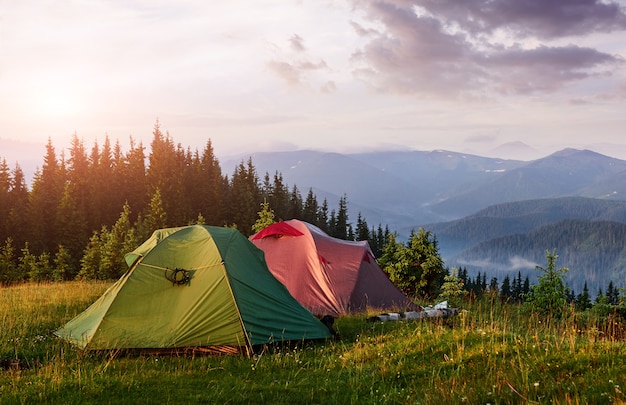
(522, 217)
(408, 189)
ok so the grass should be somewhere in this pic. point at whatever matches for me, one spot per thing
(491, 353)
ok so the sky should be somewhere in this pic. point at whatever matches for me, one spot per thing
(343, 76)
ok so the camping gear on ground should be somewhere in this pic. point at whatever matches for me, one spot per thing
(440, 310)
(194, 286)
(327, 275)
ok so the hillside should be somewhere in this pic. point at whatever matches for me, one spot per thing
(593, 251)
(569, 172)
(521, 217)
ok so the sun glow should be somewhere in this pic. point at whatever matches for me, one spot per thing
(57, 103)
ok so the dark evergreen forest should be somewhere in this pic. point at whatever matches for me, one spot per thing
(84, 211)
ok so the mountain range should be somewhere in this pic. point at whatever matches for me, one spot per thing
(491, 215)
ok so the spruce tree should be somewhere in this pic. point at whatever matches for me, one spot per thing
(362, 230)
(311, 208)
(133, 177)
(8, 264)
(550, 296)
(244, 198)
(155, 217)
(79, 186)
(18, 199)
(47, 191)
(452, 289)
(64, 269)
(265, 219)
(505, 290)
(5, 187)
(212, 199)
(71, 229)
(583, 301)
(295, 204)
(415, 268)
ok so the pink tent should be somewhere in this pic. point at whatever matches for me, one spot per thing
(329, 276)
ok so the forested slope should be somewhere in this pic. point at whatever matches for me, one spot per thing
(593, 251)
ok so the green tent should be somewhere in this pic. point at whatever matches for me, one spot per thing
(194, 286)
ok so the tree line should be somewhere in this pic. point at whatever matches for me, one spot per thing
(88, 207)
(86, 210)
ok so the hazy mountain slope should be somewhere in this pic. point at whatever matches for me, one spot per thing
(439, 171)
(566, 173)
(407, 189)
(521, 217)
(593, 251)
(392, 188)
(380, 196)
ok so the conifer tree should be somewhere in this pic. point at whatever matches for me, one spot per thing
(295, 204)
(63, 269)
(323, 219)
(583, 301)
(18, 199)
(612, 294)
(600, 297)
(265, 219)
(244, 197)
(311, 208)
(5, 187)
(47, 191)
(90, 261)
(453, 289)
(154, 218)
(213, 199)
(165, 173)
(277, 195)
(550, 296)
(115, 244)
(106, 200)
(415, 268)
(517, 287)
(80, 186)
(380, 240)
(493, 285)
(362, 229)
(505, 291)
(8, 263)
(71, 229)
(525, 288)
(134, 187)
(339, 226)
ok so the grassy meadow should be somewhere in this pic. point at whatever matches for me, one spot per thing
(491, 353)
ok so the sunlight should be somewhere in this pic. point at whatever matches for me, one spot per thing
(57, 103)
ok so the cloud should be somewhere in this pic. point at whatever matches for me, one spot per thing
(519, 263)
(286, 71)
(295, 69)
(544, 68)
(293, 72)
(515, 263)
(328, 87)
(529, 18)
(297, 43)
(477, 47)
